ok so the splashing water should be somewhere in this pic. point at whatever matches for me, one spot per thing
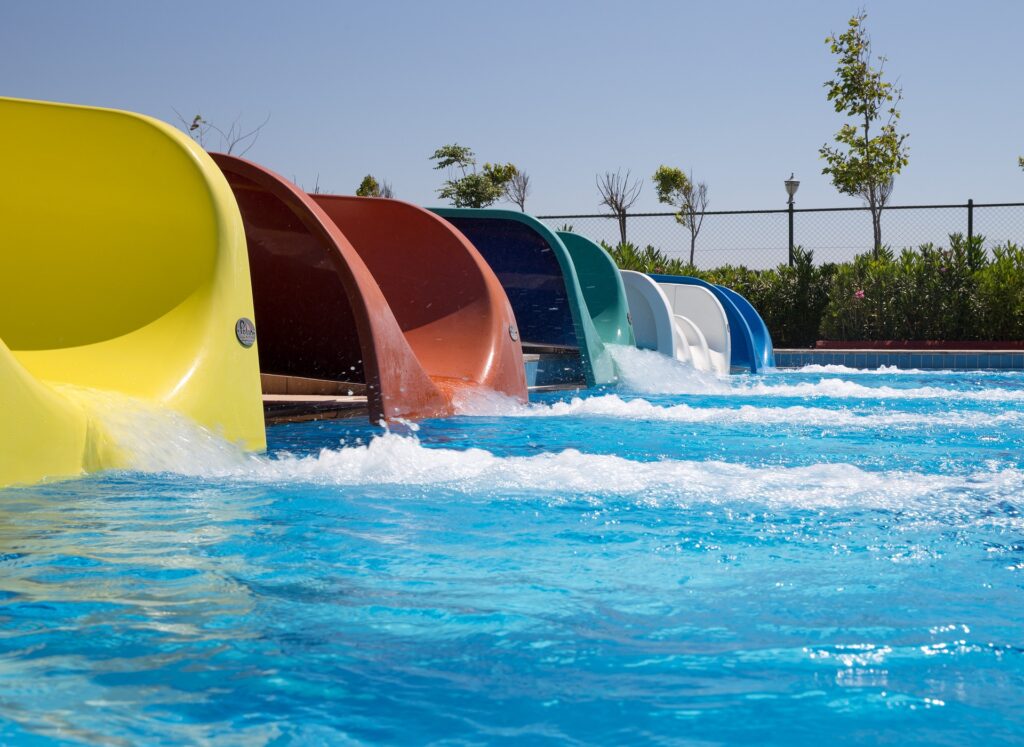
(649, 372)
(682, 558)
(616, 406)
(158, 440)
(894, 371)
(149, 438)
(841, 388)
(391, 459)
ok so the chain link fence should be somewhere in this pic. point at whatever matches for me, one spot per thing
(760, 239)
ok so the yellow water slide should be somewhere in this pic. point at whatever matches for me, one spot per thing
(123, 269)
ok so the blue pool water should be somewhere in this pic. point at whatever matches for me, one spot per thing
(781, 559)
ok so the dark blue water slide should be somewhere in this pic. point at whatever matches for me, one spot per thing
(538, 274)
(529, 272)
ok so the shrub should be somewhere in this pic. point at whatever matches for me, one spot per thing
(928, 293)
(1000, 288)
(924, 294)
(650, 260)
(789, 299)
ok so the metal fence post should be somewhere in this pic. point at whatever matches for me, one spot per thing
(790, 233)
(970, 221)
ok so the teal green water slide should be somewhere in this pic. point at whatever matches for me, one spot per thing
(603, 291)
(539, 275)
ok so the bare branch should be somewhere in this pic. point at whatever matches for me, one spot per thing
(235, 137)
(518, 189)
(693, 204)
(618, 193)
(196, 128)
(239, 138)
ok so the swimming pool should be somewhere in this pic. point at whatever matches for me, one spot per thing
(824, 553)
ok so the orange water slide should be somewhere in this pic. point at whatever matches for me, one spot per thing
(372, 292)
(446, 298)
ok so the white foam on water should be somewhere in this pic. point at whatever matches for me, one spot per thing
(391, 459)
(485, 402)
(880, 371)
(614, 406)
(639, 409)
(650, 372)
(894, 371)
(843, 389)
(155, 440)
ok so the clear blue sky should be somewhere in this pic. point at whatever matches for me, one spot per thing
(732, 91)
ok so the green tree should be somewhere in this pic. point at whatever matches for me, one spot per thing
(869, 152)
(465, 185)
(677, 189)
(368, 187)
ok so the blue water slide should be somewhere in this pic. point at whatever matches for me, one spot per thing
(751, 343)
(764, 351)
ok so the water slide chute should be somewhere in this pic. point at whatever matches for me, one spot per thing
(700, 317)
(447, 300)
(684, 322)
(652, 315)
(123, 270)
(536, 270)
(371, 292)
(761, 338)
(602, 289)
(745, 358)
(709, 352)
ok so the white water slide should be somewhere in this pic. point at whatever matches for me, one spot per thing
(685, 322)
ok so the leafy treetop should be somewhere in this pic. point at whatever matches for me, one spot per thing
(465, 186)
(369, 187)
(675, 188)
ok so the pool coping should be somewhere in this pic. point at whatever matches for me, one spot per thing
(952, 358)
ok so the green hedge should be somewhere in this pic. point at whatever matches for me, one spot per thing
(931, 293)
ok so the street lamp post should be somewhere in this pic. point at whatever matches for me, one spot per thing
(791, 187)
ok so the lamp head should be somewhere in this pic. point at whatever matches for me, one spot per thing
(791, 186)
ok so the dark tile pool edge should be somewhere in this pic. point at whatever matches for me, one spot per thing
(969, 360)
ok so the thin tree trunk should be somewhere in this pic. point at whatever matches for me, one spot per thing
(876, 231)
(693, 244)
(876, 217)
(876, 222)
(622, 227)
